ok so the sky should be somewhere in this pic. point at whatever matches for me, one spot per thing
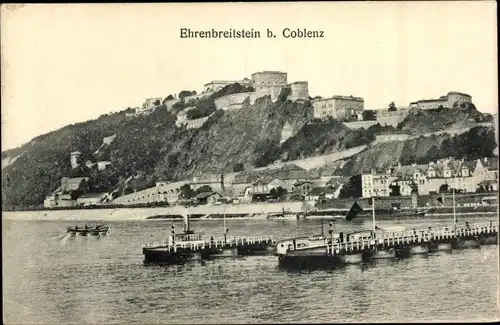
(63, 64)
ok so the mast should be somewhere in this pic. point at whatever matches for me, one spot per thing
(454, 211)
(373, 202)
(224, 205)
(373, 212)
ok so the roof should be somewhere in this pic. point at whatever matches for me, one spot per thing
(286, 172)
(205, 195)
(91, 195)
(321, 190)
(338, 181)
(70, 184)
(455, 166)
(432, 100)
(458, 93)
(298, 183)
(289, 167)
(267, 71)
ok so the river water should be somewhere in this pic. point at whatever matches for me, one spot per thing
(51, 278)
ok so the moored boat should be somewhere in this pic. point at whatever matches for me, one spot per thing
(95, 230)
(282, 216)
(324, 217)
(314, 241)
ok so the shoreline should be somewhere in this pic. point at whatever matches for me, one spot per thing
(245, 211)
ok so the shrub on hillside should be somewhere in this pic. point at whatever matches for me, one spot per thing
(238, 167)
(186, 93)
(353, 189)
(179, 106)
(392, 107)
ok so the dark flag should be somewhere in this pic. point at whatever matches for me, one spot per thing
(353, 213)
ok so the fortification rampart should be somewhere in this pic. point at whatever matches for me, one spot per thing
(360, 124)
(234, 101)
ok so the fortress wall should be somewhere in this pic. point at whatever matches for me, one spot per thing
(360, 124)
(226, 102)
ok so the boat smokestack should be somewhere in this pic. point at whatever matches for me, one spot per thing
(186, 222)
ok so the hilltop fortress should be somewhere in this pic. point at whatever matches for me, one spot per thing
(265, 83)
(348, 109)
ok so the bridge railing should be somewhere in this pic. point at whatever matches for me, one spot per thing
(215, 243)
(412, 236)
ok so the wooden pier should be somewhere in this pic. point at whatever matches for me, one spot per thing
(390, 245)
(183, 251)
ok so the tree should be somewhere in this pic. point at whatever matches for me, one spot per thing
(76, 194)
(443, 188)
(281, 192)
(278, 193)
(392, 107)
(186, 93)
(169, 97)
(273, 193)
(186, 192)
(395, 190)
(238, 167)
(369, 115)
(414, 187)
(203, 189)
(352, 189)
(128, 190)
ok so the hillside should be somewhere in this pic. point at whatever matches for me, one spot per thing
(476, 143)
(423, 121)
(152, 147)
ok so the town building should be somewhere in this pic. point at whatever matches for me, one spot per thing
(339, 107)
(263, 187)
(90, 199)
(320, 194)
(302, 187)
(214, 181)
(434, 177)
(74, 159)
(61, 196)
(450, 100)
(376, 183)
(208, 198)
(102, 165)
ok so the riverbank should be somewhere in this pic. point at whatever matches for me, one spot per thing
(232, 212)
(145, 213)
